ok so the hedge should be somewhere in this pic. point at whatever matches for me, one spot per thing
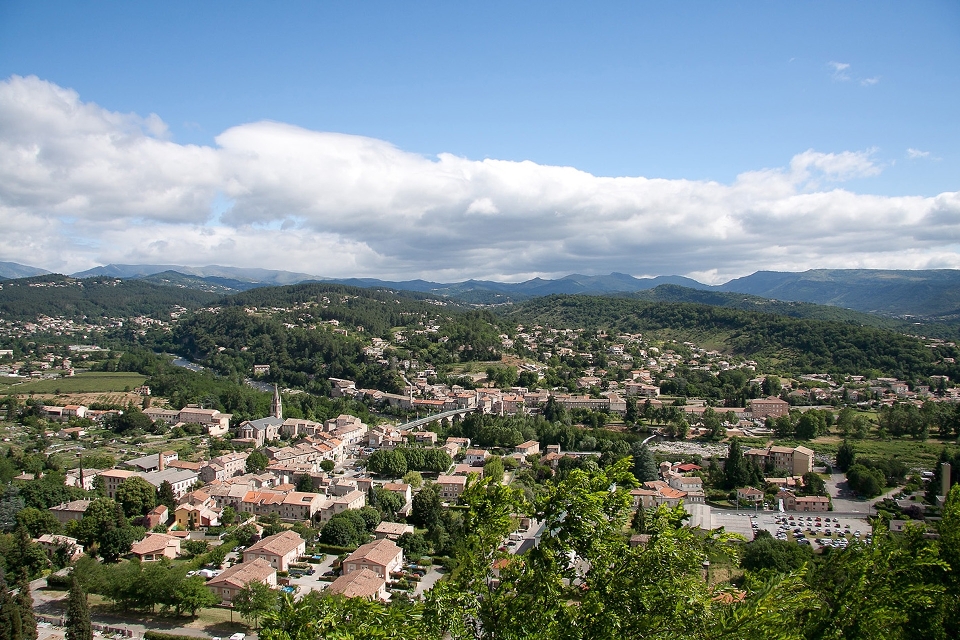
(157, 635)
(54, 581)
(334, 550)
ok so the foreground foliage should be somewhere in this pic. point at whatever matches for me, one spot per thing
(585, 581)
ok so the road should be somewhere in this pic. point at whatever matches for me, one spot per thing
(845, 502)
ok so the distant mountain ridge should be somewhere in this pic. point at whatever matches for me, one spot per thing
(12, 270)
(932, 293)
(262, 277)
(926, 294)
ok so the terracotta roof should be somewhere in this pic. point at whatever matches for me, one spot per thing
(240, 575)
(358, 584)
(153, 543)
(398, 528)
(279, 544)
(452, 480)
(380, 553)
(670, 493)
(117, 473)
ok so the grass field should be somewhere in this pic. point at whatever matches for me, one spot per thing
(913, 453)
(214, 621)
(92, 382)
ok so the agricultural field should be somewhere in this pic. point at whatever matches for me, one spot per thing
(90, 382)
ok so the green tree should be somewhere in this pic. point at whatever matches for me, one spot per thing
(632, 415)
(813, 485)
(949, 548)
(387, 462)
(644, 464)
(493, 469)
(327, 465)
(11, 623)
(192, 594)
(255, 600)
(436, 461)
(414, 479)
(78, 614)
(427, 508)
(846, 454)
(257, 461)
(414, 545)
(770, 386)
(24, 602)
(767, 553)
(735, 470)
(388, 502)
(136, 496)
(305, 483)
(165, 496)
(713, 424)
(38, 522)
(865, 481)
(340, 532)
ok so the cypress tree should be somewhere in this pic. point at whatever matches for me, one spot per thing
(735, 470)
(78, 614)
(24, 602)
(11, 625)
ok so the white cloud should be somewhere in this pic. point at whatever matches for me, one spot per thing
(913, 154)
(80, 186)
(840, 70)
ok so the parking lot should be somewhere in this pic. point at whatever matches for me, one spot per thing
(320, 580)
(817, 530)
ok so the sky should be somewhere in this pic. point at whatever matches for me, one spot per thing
(455, 140)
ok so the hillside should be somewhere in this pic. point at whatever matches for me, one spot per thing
(94, 298)
(747, 302)
(930, 293)
(210, 284)
(927, 295)
(310, 332)
(12, 270)
(798, 344)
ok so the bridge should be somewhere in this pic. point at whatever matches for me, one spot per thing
(419, 422)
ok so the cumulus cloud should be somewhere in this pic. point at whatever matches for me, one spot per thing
(81, 185)
(913, 154)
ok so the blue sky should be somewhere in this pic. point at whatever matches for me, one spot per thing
(690, 92)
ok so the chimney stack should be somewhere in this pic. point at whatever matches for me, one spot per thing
(945, 470)
(160, 461)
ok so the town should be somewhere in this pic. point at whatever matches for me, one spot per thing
(244, 509)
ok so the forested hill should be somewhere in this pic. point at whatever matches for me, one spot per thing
(93, 298)
(748, 302)
(285, 328)
(800, 344)
(376, 310)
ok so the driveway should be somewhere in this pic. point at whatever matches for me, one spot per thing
(845, 501)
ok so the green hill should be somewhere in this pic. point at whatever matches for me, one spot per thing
(92, 298)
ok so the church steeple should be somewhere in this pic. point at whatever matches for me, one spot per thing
(276, 409)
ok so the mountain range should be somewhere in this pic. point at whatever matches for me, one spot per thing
(922, 294)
